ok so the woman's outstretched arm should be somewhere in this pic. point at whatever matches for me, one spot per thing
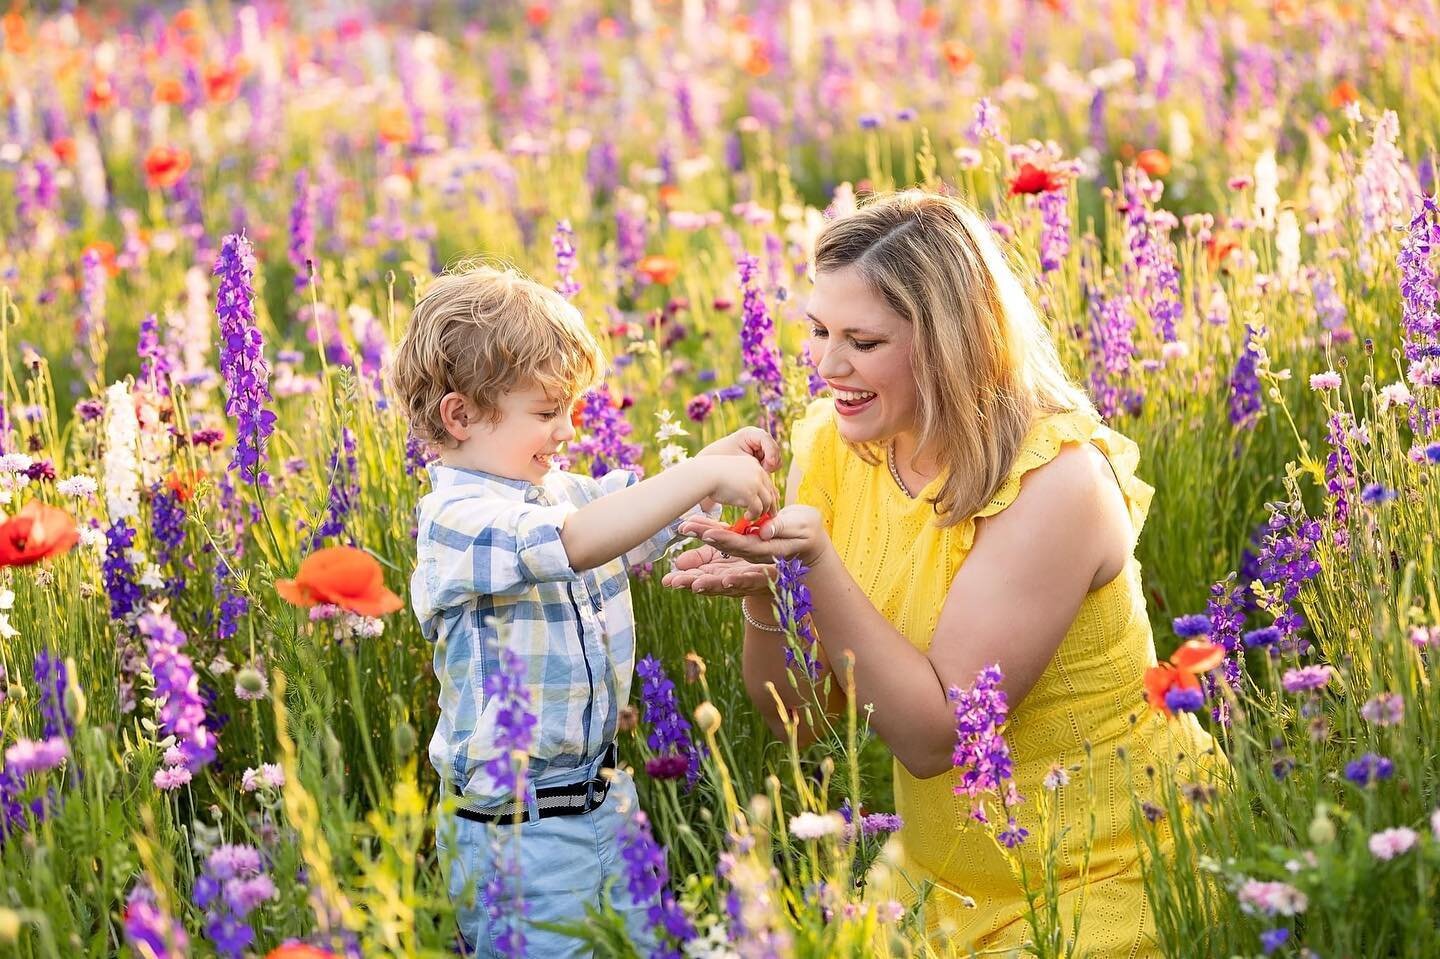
(1012, 601)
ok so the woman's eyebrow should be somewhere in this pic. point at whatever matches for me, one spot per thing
(849, 329)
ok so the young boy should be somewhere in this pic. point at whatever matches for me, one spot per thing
(512, 551)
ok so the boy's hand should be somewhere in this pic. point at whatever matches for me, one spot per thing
(749, 441)
(740, 481)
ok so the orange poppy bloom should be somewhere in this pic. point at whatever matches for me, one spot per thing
(164, 166)
(668, 194)
(1153, 162)
(106, 251)
(750, 527)
(1160, 679)
(100, 95)
(182, 486)
(17, 37)
(930, 18)
(395, 126)
(342, 576)
(299, 950)
(186, 19)
(608, 27)
(1343, 94)
(537, 14)
(957, 55)
(64, 149)
(1198, 656)
(1219, 247)
(169, 90)
(222, 83)
(36, 532)
(658, 268)
(1032, 179)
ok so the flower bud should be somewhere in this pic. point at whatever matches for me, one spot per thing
(707, 717)
(403, 739)
(250, 680)
(74, 695)
(1322, 830)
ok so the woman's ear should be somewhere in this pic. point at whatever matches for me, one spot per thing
(458, 415)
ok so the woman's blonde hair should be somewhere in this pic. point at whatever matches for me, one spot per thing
(985, 365)
(482, 332)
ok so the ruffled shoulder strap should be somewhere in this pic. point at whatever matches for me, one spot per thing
(1043, 443)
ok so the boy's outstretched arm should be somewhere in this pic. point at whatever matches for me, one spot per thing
(616, 523)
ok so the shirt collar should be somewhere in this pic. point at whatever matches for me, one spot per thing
(444, 477)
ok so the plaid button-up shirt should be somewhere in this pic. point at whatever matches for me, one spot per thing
(487, 547)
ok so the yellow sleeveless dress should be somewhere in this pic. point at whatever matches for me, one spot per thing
(1090, 692)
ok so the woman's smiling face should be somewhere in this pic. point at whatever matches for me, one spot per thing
(862, 349)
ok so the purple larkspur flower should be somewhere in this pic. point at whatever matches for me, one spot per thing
(51, 679)
(757, 334)
(1370, 768)
(181, 709)
(563, 243)
(604, 429)
(302, 229)
(1054, 227)
(229, 888)
(90, 330)
(1245, 402)
(794, 609)
(118, 572)
(242, 358)
(344, 478)
(985, 123)
(1112, 349)
(669, 737)
(1339, 466)
(1013, 834)
(981, 753)
(629, 243)
(1287, 560)
(1420, 290)
(154, 361)
(507, 688)
(145, 924)
(647, 880)
(1152, 277)
(880, 823)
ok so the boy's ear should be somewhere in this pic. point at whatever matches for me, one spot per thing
(458, 415)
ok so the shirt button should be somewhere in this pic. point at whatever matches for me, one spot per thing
(533, 494)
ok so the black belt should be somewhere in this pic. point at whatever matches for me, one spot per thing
(574, 799)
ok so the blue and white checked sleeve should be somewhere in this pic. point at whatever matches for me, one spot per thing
(654, 547)
(493, 547)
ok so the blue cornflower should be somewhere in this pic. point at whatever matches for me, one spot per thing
(1182, 700)
(1432, 452)
(1272, 939)
(1369, 768)
(1196, 624)
(1376, 493)
(1265, 636)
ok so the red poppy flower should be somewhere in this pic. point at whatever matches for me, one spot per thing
(1220, 245)
(100, 95)
(1343, 94)
(1160, 679)
(164, 166)
(299, 950)
(395, 126)
(750, 527)
(106, 251)
(222, 83)
(537, 14)
(342, 576)
(169, 90)
(1198, 656)
(64, 149)
(658, 269)
(36, 532)
(1154, 162)
(1033, 179)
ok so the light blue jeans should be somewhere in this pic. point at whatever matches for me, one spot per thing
(565, 864)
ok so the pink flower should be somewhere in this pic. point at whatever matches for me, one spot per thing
(1271, 899)
(1392, 842)
(1385, 709)
(171, 777)
(1435, 824)
(32, 756)
(1329, 380)
(269, 776)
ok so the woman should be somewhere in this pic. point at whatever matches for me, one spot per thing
(959, 503)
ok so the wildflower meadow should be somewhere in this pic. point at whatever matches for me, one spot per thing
(216, 218)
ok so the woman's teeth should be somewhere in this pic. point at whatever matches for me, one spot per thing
(853, 397)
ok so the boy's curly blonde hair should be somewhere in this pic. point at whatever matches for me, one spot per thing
(482, 332)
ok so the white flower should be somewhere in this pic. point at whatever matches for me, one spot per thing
(672, 454)
(1390, 843)
(152, 578)
(808, 825)
(93, 537)
(15, 463)
(1056, 777)
(77, 486)
(1174, 350)
(122, 436)
(669, 429)
(1396, 394)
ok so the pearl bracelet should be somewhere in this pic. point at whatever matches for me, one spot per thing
(745, 612)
